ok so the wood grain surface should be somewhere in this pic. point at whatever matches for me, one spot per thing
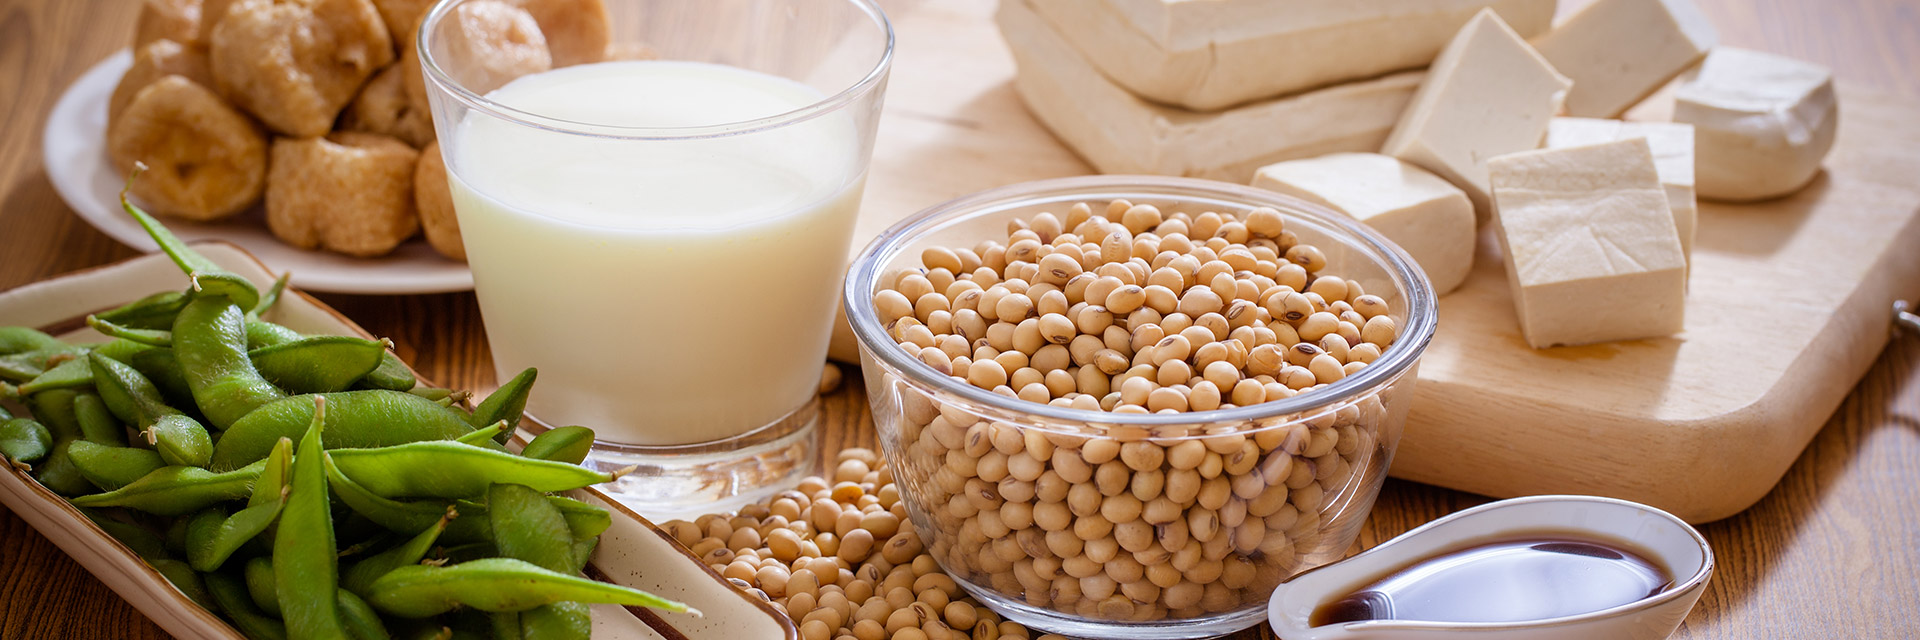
(1831, 552)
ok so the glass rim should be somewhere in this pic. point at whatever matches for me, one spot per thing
(434, 75)
(1422, 305)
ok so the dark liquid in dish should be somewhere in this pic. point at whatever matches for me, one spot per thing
(1511, 581)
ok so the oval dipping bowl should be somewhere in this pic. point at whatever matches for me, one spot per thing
(1661, 537)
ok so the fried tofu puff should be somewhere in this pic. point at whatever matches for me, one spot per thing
(578, 31)
(176, 20)
(295, 63)
(401, 15)
(205, 160)
(156, 60)
(382, 107)
(494, 43)
(434, 197)
(211, 12)
(348, 192)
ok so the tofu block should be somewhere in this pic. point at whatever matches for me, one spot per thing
(1489, 93)
(1590, 247)
(1427, 216)
(1118, 132)
(1761, 123)
(1619, 51)
(1228, 52)
(1672, 145)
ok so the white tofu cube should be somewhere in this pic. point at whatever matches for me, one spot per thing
(1618, 51)
(1430, 218)
(1590, 248)
(1672, 145)
(1761, 123)
(1488, 94)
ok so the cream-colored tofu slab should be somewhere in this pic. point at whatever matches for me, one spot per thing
(1590, 247)
(1489, 93)
(1118, 132)
(1672, 145)
(1619, 51)
(1267, 48)
(1427, 216)
(1761, 123)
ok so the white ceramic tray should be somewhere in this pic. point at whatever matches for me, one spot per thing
(75, 154)
(632, 552)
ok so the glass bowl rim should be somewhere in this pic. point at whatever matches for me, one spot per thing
(1422, 307)
(436, 75)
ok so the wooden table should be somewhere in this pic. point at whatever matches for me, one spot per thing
(1831, 552)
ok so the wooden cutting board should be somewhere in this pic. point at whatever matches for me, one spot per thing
(1790, 300)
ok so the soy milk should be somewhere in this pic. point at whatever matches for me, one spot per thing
(714, 260)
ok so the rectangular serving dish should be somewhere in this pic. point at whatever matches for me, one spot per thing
(633, 552)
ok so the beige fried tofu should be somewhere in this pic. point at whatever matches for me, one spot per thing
(486, 44)
(205, 159)
(577, 31)
(294, 64)
(176, 20)
(382, 107)
(434, 197)
(156, 60)
(401, 16)
(348, 192)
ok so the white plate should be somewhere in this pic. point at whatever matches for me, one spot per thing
(76, 160)
(632, 552)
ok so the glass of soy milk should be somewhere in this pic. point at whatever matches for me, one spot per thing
(657, 208)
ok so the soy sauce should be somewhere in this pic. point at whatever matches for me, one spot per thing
(1509, 581)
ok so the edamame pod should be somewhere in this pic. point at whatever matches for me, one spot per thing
(527, 527)
(13, 369)
(361, 621)
(128, 394)
(261, 584)
(507, 403)
(152, 312)
(496, 584)
(261, 333)
(361, 575)
(304, 567)
(209, 279)
(392, 375)
(410, 517)
(162, 368)
(557, 621)
(58, 474)
(563, 444)
(505, 625)
(210, 340)
(270, 298)
(138, 539)
(18, 339)
(110, 467)
(210, 550)
(184, 579)
(372, 418)
(483, 434)
(585, 520)
(176, 491)
(321, 364)
(69, 374)
(55, 409)
(98, 424)
(149, 337)
(181, 441)
(24, 441)
(239, 609)
(448, 469)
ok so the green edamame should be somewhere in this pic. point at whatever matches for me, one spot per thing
(507, 403)
(505, 625)
(206, 552)
(17, 370)
(527, 527)
(562, 444)
(585, 520)
(413, 516)
(137, 539)
(18, 339)
(176, 490)
(58, 474)
(97, 423)
(321, 364)
(495, 584)
(448, 469)
(54, 408)
(162, 368)
(304, 560)
(360, 620)
(557, 621)
(483, 434)
(239, 609)
(109, 467)
(69, 374)
(360, 575)
(370, 418)
(149, 337)
(152, 312)
(261, 333)
(184, 579)
(180, 439)
(209, 279)
(261, 585)
(270, 298)
(24, 441)
(210, 340)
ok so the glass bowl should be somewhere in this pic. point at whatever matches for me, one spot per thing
(1107, 525)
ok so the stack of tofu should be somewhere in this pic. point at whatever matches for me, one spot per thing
(1511, 126)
